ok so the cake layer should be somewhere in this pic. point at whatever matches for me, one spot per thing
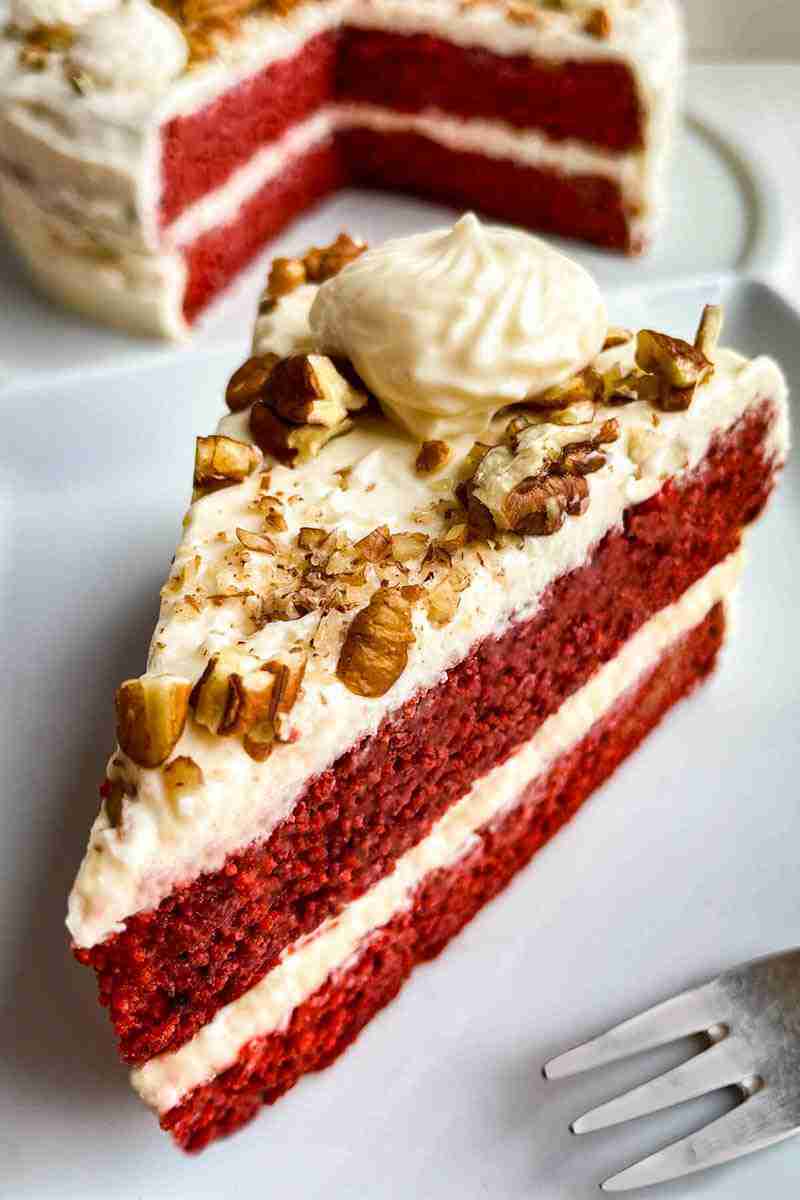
(318, 1026)
(202, 149)
(215, 257)
(588, 206)
(591, 101)
(173, 967)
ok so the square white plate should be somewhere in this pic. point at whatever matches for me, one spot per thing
(685, 863)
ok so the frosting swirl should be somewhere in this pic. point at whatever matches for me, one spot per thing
(448, 327)
(135, 45)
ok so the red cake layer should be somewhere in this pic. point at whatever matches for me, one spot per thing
(589, 207)
(325, 1024)
(200, 151)
(171, 969)
(215, 257)
(591, 100)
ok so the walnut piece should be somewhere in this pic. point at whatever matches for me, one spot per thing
(376, 546)
(432, 457)
(248, 382)
(375, 650)
(151, 714)
(407, 546)
(540, 505)
(616, 335)
(256, 541)
(307, 389)
(221, 461)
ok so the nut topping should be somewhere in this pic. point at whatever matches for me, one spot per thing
(375, 650)
(709, 329)
(256, 541)
(587, 385)
(248, 383)
(151, 714)
(307, 389)
(221, 461)
(678, 363)
(540, 505)
(598, 23)
(324, 262)
(290, 444)
(285, 275)
(432, 457)
(617, 336)
(407, 546)
(376, 545)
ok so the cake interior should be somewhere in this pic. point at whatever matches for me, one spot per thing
(387, 89)
(175, 966)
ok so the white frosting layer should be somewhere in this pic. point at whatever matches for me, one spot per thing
(305, 966)
(28, 14)
(159, 844)
(132, 46)
(450, 326)
(104, 145)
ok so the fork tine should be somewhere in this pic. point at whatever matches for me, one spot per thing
(690, 1012)
(754, 1124)
(725, 1063)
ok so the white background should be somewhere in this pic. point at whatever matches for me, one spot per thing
(744, 28)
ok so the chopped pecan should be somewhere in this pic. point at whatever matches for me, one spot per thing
(151, 714)
(678, 363)
(623, 387)
(376, 545)
(248, 382)
(221, 461)
(454, 538)
(617, 336)
(256, 541)
(216, 698)
(324, 262)
(709, 329)
(587, 385)
(375, 650)
(598, 23)
(310, 538)
(290, 444)
(306, 389)
(406, 546)
(432, 457)
(285, 275)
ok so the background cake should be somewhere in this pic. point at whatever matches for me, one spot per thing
(143, 162)
(396, 652)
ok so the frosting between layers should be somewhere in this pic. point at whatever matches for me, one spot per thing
(304, 967)
(161, 843)
(104, 146)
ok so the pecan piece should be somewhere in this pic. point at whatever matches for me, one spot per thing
(432, 457)
(540, 505)
(221, 461)
(709, 329)
(181, 776)
(290, 444)
(375, 650)
(678, 363)
(587, 385)
(151, 714)
(248, 382)
(306, 389)
(285, 275)
(324, 262)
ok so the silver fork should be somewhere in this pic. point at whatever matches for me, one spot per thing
(751, 1015)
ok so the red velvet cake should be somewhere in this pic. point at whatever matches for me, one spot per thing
(147, 152)
(456, 548)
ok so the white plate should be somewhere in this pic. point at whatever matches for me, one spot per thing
(685, 863)
(725, 216)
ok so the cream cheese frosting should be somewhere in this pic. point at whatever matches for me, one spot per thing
(166, 1079)
(205, 608)
(134, 45)
(102, 144)
(450, 326)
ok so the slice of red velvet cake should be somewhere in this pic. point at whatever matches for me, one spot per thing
(454, 551)
(145, 158)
